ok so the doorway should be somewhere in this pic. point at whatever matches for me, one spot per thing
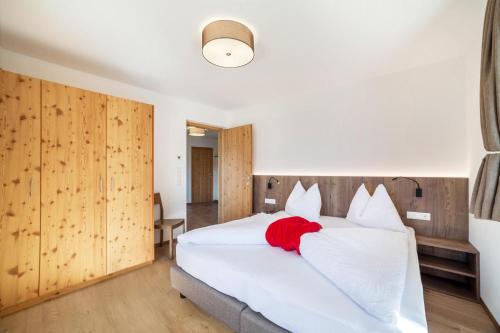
(202, 186)
(202, 174)
(231, 190)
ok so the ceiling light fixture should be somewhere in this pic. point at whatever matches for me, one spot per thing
(227, 43)
(196, 131)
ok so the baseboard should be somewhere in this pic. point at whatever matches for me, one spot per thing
(195, 203)
(55, 294)
(488, 312)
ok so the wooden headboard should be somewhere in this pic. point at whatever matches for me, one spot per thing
(445, 198)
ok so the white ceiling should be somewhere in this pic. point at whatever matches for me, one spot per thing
(300, 45)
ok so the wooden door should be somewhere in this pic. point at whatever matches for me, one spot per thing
(130, 184)
(19, 188)
(202, 174)
(73, 226)
(235, 175)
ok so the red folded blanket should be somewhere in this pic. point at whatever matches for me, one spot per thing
(286, 232)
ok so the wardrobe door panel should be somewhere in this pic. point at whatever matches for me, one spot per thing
(73, 222)
(130, 188)
(19, 188)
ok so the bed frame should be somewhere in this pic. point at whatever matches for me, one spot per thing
(235, 314)
(445, 198)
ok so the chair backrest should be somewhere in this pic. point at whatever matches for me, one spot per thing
(157, 201)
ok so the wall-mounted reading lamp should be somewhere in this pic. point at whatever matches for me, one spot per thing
(270, 184)
(418, 191)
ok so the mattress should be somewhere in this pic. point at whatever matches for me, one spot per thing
(285, 289)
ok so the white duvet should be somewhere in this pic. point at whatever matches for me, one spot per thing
(247, 231)
(369, 265)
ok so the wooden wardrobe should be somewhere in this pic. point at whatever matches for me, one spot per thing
(76, 188)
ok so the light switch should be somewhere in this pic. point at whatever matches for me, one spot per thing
(270, 201)
(418, 216)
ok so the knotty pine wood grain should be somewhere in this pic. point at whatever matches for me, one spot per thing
(235, 173)
(19, 188)
(445, 198)
(73, 225)
(129, 183)
(61, 292)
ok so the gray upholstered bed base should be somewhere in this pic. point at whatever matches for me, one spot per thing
(233, 313)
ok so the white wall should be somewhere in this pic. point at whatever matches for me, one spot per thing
(202, 141)
(420, 122)
(484, 234)
(410, 123)
(169, 121)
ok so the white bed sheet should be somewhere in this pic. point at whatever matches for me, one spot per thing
(291, 293)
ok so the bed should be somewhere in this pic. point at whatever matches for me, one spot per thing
(258, 288)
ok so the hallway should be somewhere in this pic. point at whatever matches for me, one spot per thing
(200, 215)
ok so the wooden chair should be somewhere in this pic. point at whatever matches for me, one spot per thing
(171, 224)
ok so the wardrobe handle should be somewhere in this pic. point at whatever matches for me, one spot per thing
(29, 186)
(100, 184)
(112, 184)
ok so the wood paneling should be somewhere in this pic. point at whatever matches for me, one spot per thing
(201, 174)
(54, 188)
(235, 173)
(445, 198)
(73, 242)
(130, 187)
(19, 188)
(461, 246)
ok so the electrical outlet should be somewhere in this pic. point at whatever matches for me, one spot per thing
(418, 216)
(270, 201)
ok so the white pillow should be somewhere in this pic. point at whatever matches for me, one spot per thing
(358, 203)
(380, 212)
(304, 204)
(297, 192)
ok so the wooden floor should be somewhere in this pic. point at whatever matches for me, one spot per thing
(144, 301)
(450, 314)
(200, 215)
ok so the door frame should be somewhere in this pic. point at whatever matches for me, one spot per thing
(217, 129)
(204, 126)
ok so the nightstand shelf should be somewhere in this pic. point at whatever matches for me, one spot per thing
(449, 244)
(446, 265)
(447, 286)
(449, 266)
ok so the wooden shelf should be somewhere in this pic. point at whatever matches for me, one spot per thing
(449, 244)
(440, 269)
(446, 265)
(448, 287)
